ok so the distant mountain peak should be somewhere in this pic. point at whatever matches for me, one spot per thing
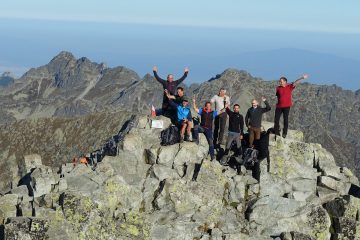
(7, 74)
(64, 55)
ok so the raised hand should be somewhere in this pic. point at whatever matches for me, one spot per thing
(263, 98)
(186, 69)
(155, 69)
(305, 76)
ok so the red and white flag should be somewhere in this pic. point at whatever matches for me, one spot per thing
(153, 112)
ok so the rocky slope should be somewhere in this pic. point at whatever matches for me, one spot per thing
(70, 87)
(58, 140)
(146, 192)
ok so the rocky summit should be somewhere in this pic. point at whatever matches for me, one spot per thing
(147, 191)
(68, 87)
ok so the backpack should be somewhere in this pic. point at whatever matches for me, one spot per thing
(110, 147)
(250, 157)
(170, 136)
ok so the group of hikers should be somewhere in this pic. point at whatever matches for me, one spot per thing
(175, 105)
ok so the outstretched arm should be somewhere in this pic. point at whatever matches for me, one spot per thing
(297, 81)
(174, 105)
(194, 105)
(224, 109)
(180, 80)
(168, 95)
(159, 79)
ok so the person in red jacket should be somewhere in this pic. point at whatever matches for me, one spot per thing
(284, 96)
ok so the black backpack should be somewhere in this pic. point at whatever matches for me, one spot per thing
(110, 147)
(170, 136)
(250, 157)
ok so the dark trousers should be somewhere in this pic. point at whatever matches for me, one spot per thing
(278, 112)
(167, 112)
(220, 123)
(209, 137)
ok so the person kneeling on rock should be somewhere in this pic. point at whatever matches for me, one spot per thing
(183, 117)
(207, 116)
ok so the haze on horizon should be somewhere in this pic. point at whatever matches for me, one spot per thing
(266, 39)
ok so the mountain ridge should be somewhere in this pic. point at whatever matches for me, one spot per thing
(318, 109)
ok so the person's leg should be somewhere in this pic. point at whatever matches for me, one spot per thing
(197, 129)
(222, 124)
(251, 137)
(159, 112)
(209, 137)
(216, 128)
(238, 145)
(286, 112)
(277, 121)
(183, 126)
(229, 140)
(257, 135)
(188, 131)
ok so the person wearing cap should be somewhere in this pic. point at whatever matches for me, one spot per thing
(284, 96)
(170, 85)
(183, 116)
(220, 101)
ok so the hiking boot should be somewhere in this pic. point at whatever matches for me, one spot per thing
(181, 139)
(284, 135)
(212, 158)
(187, 138)
(196, 141)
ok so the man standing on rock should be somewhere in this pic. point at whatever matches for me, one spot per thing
(207, 115)
(284, 96)
(220, 100)
(253, 120)
(170, 85)
(236, 129)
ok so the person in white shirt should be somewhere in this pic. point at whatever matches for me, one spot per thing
(220, 101)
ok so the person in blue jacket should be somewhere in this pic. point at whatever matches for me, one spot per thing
(183, 116)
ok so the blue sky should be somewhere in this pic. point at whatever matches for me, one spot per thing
(305, 15)
(207, 36)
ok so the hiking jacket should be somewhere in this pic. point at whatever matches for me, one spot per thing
(181, 112)
(207, 118)
(253, 116)
(236, 121)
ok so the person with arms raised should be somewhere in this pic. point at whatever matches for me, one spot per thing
(170, 85)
